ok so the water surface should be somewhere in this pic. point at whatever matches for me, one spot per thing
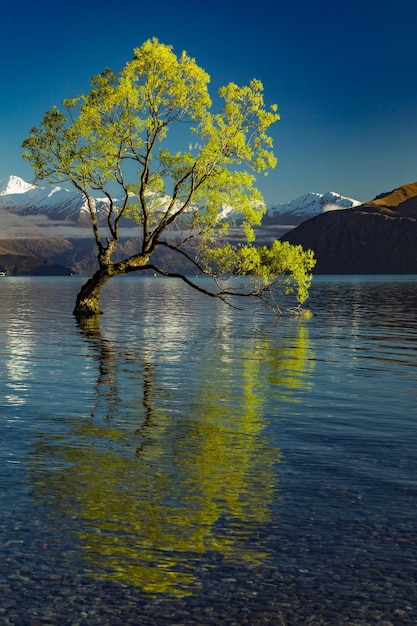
(183, 462)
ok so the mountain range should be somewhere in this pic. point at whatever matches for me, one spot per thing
(47, 225)
(59, 203)
(47, 230)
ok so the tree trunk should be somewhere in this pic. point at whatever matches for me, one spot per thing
(88, 297)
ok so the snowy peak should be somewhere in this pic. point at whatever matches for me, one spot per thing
(311, 204)
(57, 203)
(14, 184)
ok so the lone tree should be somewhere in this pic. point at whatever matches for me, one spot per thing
(114, 142)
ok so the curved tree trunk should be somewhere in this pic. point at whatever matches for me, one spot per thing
(87, 299)
(86, 305)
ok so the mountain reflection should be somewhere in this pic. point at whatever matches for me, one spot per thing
(155, 477)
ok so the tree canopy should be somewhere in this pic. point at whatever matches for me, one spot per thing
(116, 142)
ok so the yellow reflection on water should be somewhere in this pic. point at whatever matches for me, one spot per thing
(146, 501)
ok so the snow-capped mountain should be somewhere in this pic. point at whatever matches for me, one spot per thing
(58, 203)
(309, 205)
(14, 185)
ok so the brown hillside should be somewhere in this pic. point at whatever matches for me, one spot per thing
(399, 202)
(395, 197)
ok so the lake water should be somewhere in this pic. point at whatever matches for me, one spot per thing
(188, 463)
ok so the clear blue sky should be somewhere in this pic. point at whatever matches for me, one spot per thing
(342, 73)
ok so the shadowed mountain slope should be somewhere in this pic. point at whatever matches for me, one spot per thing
(377, 237)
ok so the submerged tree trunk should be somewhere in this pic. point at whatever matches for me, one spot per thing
(87, 299)
(86, 305)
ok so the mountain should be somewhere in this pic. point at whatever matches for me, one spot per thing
(307, 206)
(14, 185)
(57, 203)
(47, 230)
(281, 218)
(376, 237)
(43, 226)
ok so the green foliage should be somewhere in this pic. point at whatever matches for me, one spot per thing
(279, 264)
(120, 134)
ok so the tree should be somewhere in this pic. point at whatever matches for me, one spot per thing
(117, 137)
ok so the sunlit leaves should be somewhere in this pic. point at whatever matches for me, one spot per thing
(166, 88)
(120, 133)
(126, 119)
(281, 266)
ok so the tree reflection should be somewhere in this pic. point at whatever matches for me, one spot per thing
(154, 478)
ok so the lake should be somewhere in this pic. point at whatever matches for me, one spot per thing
(184, 462)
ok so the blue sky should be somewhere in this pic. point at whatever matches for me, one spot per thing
(342, 73)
